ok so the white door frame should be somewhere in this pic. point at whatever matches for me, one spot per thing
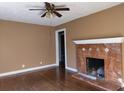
(57, 46)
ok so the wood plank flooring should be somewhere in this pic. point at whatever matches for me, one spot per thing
(53, 79)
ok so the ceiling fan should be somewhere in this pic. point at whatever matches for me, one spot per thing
(51, 10)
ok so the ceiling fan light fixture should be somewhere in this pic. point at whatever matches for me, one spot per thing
(50, 15)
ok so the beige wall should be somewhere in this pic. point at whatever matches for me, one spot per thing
(27, 44)
(108, 23)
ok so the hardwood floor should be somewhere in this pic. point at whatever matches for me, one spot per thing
(54, 79)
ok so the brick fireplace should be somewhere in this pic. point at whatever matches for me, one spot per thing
(100, 59)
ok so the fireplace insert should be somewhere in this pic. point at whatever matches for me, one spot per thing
(95, 67)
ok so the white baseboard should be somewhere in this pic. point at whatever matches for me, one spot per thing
(71, 69)
(26, 70)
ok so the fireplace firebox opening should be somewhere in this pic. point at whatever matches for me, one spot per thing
(95, 67)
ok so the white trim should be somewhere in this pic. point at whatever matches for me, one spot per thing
(99, 41)
(88, 76)
(26, 70)
(71, 69)
(57, 47)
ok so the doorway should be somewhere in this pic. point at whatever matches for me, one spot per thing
(61, 48)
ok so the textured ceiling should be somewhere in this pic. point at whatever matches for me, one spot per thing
(19, 11)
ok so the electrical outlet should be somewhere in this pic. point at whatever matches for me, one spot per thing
(23, 66)
(41, 62)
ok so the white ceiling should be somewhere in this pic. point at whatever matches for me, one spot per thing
(19, 11)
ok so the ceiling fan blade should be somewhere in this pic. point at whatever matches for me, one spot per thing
(47, 5)
(36, 9)
(57, 14)
(62, 9)
(44, 14)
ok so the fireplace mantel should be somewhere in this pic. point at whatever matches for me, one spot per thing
(100, 41)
